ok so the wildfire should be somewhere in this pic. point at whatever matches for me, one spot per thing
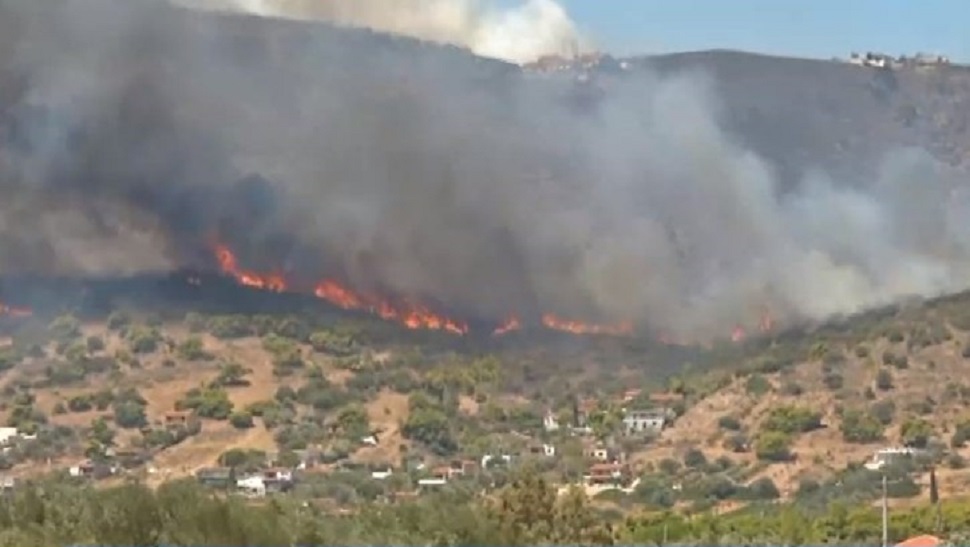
(412, 315)
(557, 323)
(14, 311)
(509, 325)
(230, 266)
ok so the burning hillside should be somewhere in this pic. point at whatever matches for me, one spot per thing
(428, 186)
(410, 314)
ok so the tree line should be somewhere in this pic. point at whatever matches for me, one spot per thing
(528, 511)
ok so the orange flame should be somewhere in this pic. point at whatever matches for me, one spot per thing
(411, 314)
(230, 266)
(509, 325)
(556, 323)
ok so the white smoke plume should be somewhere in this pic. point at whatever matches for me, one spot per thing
(519, 35)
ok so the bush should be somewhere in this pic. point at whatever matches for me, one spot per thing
(833, 381)
(883, 412)
(791, 419)
(859, 427)
(757, 385)
(129, 415)
(763, 489)
(737, 443)
(961, 434)
(916, 432)
(193, 349)
(95, 344)
(241, 420)
(118, 320)
(729, 423)
(884, 380)
(773, 446)
(211, 403)
(695, 459)
(80, 403)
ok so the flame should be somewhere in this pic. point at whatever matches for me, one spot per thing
(14, 311)
(557, 323)
(230, 266)
(507, 326)
(408, 313)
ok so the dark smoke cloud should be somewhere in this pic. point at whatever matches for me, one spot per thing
(133, 132)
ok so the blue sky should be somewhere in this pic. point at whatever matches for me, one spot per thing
(804, 28)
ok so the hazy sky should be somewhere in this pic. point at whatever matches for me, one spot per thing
(809, 28)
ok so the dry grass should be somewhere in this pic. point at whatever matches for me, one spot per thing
(386, 414)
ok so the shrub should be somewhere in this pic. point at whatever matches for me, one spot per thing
(730, 423)
(241, 420)
(792, 419)
(859, 427)
(884, 380)
(773, 446)
(757, 385)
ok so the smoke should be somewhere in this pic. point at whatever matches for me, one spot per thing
(132, 133)
(519, 35)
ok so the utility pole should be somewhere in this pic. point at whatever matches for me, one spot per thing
(885, 513)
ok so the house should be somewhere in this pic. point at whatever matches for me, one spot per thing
(546, 450)
(266, 481)
(432, 482)
(214, 477)
(644, 421)
(617, 474)
(462, 467)
(598, 452)
(309, 458)
(550, 422)
(489, 458)
(629, 396)
(381, 475)
(90, 470)
(8, 435)
(887, 456)
(176, 418)
(252, 486)
(927, 59)
(277, 479)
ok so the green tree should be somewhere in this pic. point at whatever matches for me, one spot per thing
(860, 427)
(773, 446)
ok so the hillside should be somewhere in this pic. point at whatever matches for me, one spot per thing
(807, 114)
(169, 387)
(193, 374)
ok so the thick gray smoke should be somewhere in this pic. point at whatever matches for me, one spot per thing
(130, 131)
(520, 35)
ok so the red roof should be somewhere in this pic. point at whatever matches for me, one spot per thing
(921, 541)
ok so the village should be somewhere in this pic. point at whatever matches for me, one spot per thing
(642, 420)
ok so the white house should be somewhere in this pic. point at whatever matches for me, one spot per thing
(885, 456)
(252, 486)
(8, 435)
(550, 422)
(641, 421)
